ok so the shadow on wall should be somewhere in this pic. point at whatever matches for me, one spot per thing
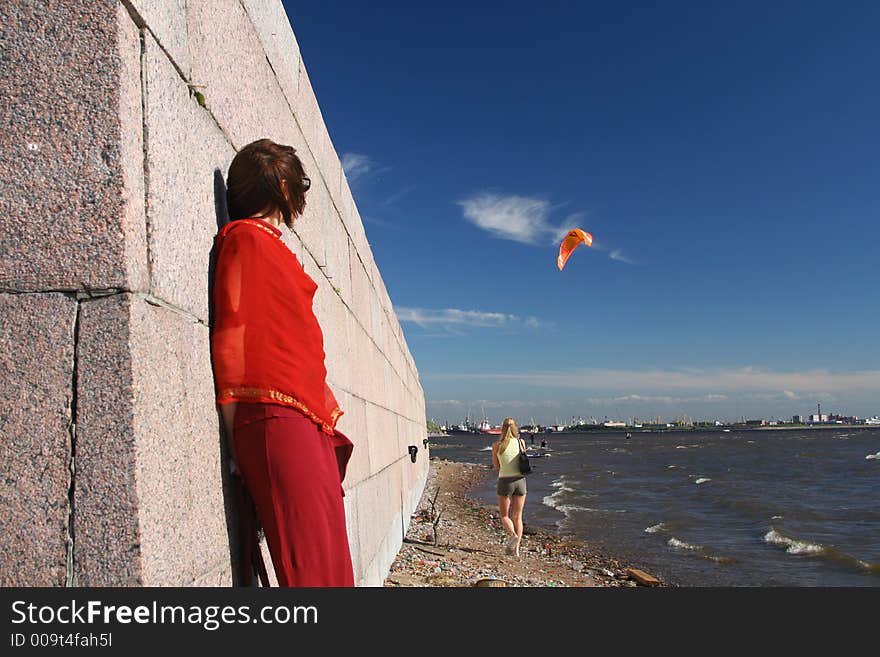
(237, 505)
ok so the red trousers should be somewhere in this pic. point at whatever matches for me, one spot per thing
(293, 472)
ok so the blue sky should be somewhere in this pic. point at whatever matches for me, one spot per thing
(723, 155)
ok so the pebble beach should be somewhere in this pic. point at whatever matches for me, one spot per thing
(468, 549)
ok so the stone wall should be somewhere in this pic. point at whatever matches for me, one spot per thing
(111, 187)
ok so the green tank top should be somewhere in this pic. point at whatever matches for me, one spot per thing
(509, 460)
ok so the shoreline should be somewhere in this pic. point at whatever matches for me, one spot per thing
(724, 429)
(470, 545)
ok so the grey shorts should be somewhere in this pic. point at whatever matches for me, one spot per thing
(508, 486)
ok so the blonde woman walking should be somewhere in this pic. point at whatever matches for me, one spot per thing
(511, 484)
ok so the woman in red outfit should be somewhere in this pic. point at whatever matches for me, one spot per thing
(268, 356)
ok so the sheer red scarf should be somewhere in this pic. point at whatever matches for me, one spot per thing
(266, 343)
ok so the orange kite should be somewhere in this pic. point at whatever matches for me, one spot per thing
(570, 243)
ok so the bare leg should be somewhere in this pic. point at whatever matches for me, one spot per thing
(516, 511)
(504, 514)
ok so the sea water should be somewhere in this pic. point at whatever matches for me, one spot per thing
(745, 508)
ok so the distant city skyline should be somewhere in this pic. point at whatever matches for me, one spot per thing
(723, 156)
(496, 413)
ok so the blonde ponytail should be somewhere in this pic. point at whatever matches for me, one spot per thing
(509, 430)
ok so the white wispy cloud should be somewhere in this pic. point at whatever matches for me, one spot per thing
(356, 165)
(617, 254)
(655, 399)
(815, 383)
(453, 317)
(518, 218)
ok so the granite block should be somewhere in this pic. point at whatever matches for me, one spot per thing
(61, 127)
(370, 500)
(184, 148)
(36, 384)
(108, 549)
(181, 513)
(384, 445)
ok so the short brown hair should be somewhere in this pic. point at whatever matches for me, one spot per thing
(254, 184)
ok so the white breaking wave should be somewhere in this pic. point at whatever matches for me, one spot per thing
(776, 518)
(553, 500)
(653, 529)
(561, 487)
(681, 545)
(681, 447)
(791, 545)
(873, 456)
(568, 508)
(702, 480)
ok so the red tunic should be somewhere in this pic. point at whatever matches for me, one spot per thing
(268, 355)
(266, 343)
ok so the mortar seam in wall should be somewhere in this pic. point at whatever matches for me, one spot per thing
(390, 410)
(146, 163)
(379, 472)
(82, 293)
(160, 303)
(94, 294)
(70, 563)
